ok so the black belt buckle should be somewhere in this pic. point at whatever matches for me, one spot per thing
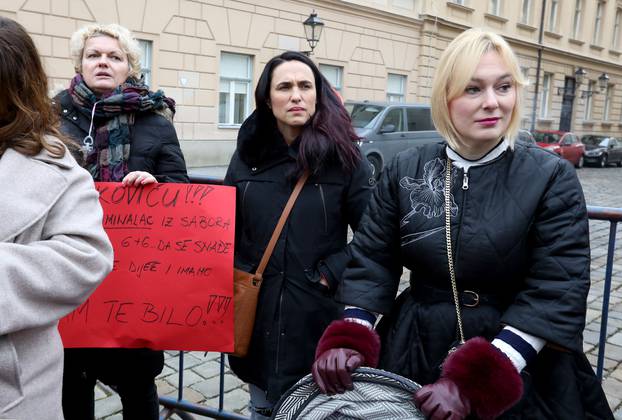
(473, 296)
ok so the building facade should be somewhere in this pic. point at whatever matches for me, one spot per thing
(208, 54)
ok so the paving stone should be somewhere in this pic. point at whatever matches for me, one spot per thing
(591, 337)
(108, 406)
(189, 378)
(164, 387)
(613, 388)
(166, 370)
(100, 392)
(613, 352)
(211, 387)
(208, 370)
(236, 400)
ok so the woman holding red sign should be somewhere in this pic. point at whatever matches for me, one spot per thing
(299, 125)
(127, 135)
(53, 249)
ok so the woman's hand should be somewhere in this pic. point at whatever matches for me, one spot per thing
(138, 178)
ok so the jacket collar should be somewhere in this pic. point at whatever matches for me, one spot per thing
(262, 146)
(30, 193)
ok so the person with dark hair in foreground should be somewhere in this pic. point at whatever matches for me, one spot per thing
(495, 234)
(53, 249)
(299, 125)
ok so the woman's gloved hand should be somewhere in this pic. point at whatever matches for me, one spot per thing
(332, 371)
(442, 400)
(343, 347)
(476, 378)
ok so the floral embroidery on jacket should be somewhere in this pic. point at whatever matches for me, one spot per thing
(427, 196)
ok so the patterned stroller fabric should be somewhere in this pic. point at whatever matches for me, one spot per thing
(377, 395)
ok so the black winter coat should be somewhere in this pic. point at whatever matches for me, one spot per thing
(520, 240)
(294, 308)
(154, 148)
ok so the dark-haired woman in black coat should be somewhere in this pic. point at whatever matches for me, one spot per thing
(299, 125)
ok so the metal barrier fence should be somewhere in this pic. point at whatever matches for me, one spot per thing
(184, 409)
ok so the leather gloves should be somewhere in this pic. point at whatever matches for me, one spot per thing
(343, 347)
(442, 401)
(332, 370)
(476, 378)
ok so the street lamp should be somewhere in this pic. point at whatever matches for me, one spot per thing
(579, 76)
(603, 82)
(313, 29)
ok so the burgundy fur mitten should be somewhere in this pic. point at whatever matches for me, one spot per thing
(350, 335)
(485, 376)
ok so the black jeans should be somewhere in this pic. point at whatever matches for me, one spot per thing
(131, 372)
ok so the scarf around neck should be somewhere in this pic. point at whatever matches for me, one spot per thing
(108, 146)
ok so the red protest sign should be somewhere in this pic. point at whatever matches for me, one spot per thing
(172, 282)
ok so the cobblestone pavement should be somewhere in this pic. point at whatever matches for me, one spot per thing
(602, 187)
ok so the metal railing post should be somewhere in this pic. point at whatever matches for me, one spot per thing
(606, 294)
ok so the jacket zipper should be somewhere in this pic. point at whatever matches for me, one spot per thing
(278, 337)
(244, 193)
(459, 226)
(465, 180)
(324, 206)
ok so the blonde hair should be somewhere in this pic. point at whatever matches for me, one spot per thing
(455, 69)
(128, 44)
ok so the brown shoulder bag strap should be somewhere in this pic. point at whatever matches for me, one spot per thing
(279, 226)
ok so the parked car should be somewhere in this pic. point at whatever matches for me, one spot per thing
(526, 137)
(602, 150)
(564, 143)
(387, 128)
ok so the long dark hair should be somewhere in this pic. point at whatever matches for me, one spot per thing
(328, 135)
(26, 114)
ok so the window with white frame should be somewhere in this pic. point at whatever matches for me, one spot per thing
(598, 20)
(615, 41)
(396, 87)
(146, 47)
(334, 74)
(460, 2)
(576, 18)
(591, 85)
(547, 81)
(608, 99)
(235, 88)
(525, 14)
(494, 7)
(553, 15)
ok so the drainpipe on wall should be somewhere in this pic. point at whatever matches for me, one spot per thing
(538, 66)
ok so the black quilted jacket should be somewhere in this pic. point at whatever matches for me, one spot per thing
(520, 240)
(520, 231)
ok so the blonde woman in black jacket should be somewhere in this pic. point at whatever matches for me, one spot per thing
(495, 234)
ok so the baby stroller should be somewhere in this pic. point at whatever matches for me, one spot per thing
(377, 395)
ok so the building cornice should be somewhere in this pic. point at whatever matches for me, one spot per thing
(427, 19)
(363, 11)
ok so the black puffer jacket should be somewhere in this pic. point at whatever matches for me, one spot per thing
(154, 147)
(294, 308)
(520, 240)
